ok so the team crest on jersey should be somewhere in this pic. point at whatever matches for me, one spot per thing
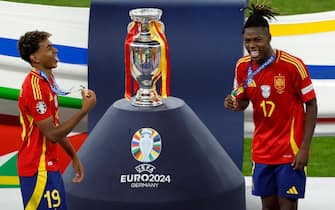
(41, 107)
(279, 83)
(266, 91)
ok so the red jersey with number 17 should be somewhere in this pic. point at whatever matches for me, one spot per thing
(36, 102)
(278, 93)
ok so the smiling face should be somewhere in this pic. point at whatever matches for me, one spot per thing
(45, 57)
(257, 43)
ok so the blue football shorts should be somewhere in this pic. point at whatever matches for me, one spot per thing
(44, 190)
(279, 180)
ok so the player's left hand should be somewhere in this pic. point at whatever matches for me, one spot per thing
(78, 170)
(301, 160)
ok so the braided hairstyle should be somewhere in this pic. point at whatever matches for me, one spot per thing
(257, 14)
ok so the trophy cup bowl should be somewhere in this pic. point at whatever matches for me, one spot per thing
(145, 55)
(145, 59)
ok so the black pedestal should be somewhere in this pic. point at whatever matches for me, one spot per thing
(185, 169)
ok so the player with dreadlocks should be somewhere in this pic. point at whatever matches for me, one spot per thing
(284, 104)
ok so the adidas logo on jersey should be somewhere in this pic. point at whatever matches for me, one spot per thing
(293, 190)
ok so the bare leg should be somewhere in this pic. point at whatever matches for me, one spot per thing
(270, 203)
(288, 204)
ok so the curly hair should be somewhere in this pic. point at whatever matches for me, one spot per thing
(257, 14)
(29, 43)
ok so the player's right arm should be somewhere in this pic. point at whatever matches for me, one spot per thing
(56, 133)
(237, 100)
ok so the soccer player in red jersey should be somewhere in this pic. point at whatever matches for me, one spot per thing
(284, 112)
(40, 180)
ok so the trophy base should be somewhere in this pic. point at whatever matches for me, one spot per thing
(146, 102)
(146, 98)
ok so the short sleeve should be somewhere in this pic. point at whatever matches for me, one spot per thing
(37, 99)
(304, 83)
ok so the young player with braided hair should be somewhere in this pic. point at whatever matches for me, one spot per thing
(280, 89)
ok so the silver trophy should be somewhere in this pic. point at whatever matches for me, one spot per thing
(145, 55)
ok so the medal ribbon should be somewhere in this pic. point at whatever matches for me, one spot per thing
(251, 75)
(54, 86)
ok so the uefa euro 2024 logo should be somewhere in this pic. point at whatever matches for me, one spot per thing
(146, 146)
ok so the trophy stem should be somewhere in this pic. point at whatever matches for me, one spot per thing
(146, 97)
(145, 33)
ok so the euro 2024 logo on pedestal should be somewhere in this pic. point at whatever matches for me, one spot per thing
(146, 146)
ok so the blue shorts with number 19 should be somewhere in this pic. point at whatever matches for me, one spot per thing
(43, 191)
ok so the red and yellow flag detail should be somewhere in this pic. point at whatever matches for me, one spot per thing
(128, 79)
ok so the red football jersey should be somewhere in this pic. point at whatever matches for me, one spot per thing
(36, 102)
(277, 94)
